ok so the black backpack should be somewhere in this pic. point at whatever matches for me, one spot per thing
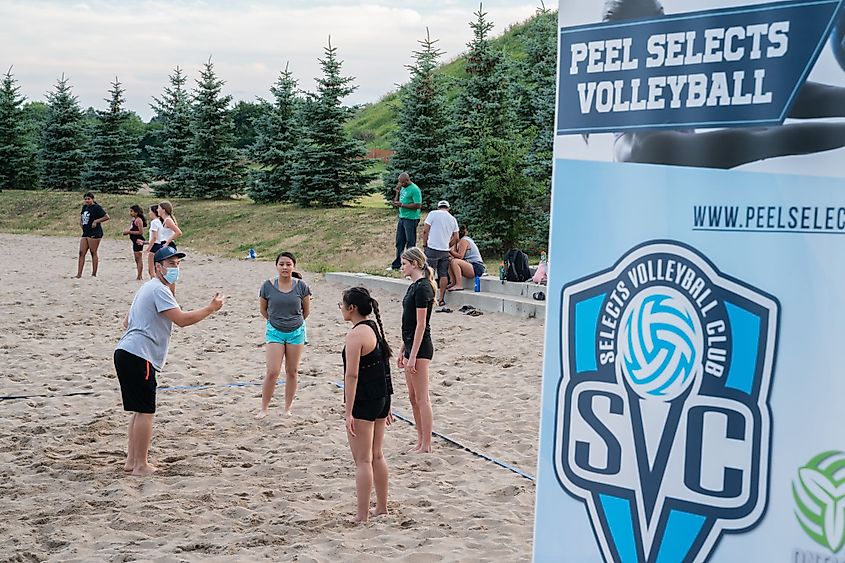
(516, 266)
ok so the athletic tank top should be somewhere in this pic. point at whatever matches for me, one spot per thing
(373, 371)
(472, 253)
(163, 233)
(132, 228)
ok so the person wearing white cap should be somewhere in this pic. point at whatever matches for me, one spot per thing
(142, 351)
(439, 234)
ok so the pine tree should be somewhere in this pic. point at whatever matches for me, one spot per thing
(17, 151)
(114, 164)
(422, 124)
(330, 167)
(169, 159)
(217, 167)
(63, 141)
(486, 153)
(275, 144)
(538, 95)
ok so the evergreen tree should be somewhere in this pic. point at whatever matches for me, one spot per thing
(173, 139)
(276, 139)
(486, 154)
(63, 141)
(17, 151)
(114, 164)
(217, 167)
(538, 96)
(421, 119)
(329, 165)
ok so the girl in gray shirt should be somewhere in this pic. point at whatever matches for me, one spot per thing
(285, 303)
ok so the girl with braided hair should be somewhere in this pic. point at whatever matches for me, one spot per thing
(367, 389)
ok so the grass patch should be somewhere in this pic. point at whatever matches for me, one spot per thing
(358, 238)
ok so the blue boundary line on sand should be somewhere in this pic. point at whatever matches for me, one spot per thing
(498, 462)
(172, 388)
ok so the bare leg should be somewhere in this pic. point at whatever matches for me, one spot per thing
(426, 416)
(454, 275)
(83, 250)
(129, 466)
(379, 468)
(143, 431)
(362, 452)
(151, 264)
(94, 245)
(293, 353)
(444, 281)
(139, 264)
(412, 397)
(274, 353)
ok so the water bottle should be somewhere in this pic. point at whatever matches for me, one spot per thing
(252, 254)
(502, 272)
(477, 287)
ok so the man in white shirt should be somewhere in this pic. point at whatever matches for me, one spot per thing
(439, 233)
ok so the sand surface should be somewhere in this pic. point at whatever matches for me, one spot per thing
(230, 487)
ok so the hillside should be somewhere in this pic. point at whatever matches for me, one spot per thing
(375, 123)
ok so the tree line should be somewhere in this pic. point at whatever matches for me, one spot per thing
(488, 150)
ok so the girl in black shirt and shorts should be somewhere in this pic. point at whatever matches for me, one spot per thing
(367, 390)
(417, 348)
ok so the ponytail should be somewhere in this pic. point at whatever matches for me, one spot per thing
(386, 352)
(417, 257)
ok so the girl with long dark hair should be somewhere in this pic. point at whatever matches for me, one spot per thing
(136, 236)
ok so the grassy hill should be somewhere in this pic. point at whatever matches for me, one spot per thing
(355, 239)
(375, 123)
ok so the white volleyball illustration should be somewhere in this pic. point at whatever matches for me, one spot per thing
(660, 344)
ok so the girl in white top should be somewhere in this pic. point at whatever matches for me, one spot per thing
(155, 225)
(169, 230)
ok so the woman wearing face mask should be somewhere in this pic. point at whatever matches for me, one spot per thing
(285, 302)
(91, 220)
(136, 236)
(367, 389)
(142, 352)
(169, 230)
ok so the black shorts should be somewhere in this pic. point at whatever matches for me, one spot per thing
(478, 269)
(426, 349)
(439, 261)
(138, 245)
(94, 235)
(371, 410)
(154, 247)
(137, 379)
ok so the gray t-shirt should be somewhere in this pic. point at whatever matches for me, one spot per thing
(285, 309)
(148, 335)
(472, 253)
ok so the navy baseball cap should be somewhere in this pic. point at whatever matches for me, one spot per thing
(166, 252)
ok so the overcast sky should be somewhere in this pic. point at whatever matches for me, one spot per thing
(140, 42)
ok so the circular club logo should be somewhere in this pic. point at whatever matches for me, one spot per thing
(660, 344)
(819, 492)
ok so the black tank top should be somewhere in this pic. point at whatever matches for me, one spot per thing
(373, 371)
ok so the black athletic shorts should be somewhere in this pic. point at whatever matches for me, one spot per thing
(154, 247)
(138, 245)
(426, 349)
(371, 410)
(137, 379)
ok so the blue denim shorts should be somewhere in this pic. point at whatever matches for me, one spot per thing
(276, 336)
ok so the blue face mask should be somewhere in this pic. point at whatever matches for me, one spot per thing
(172, 275)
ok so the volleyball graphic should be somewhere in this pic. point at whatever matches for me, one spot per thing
(819, 494)
(660, 344)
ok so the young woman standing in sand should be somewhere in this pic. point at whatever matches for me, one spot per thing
(136, 236)
(155, 225)
(169, 230)
(417, 347)
(285, 302)
(91, 220)
(367, 389)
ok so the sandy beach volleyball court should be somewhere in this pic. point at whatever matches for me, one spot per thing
(230, 487)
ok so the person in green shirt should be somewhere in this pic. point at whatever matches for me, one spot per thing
(408, 198)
